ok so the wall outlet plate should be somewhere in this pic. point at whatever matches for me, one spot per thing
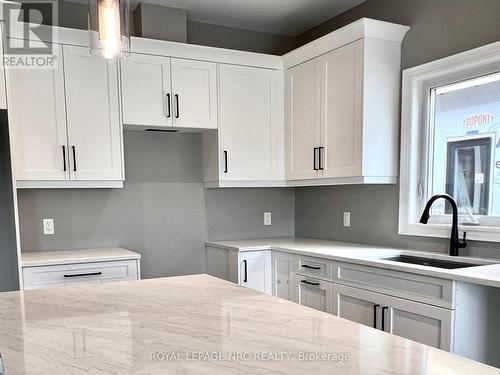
(48, 226)
(347, 219)
(267, 218)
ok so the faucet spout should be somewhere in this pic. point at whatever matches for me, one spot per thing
(455, 243)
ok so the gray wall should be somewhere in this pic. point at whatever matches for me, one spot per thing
(164, 212)
(9, 279)
(74, 15)
(438, 28)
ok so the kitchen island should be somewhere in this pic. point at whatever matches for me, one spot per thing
(197, 325)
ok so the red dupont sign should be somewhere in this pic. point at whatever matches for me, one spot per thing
(477, 120)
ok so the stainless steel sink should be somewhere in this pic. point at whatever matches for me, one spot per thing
(431, 262)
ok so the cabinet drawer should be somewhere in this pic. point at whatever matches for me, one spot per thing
(320, 268)
(314, 293)
(426, 289)
(79, 273)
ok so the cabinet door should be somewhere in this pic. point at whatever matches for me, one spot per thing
(255, 271)
(37, 121)
(419, 322)
(249, 135)
(92, 105)
(313, 293)
(302, 120)
(146, 90)
(283, 267)
(357, 305)
(194, 89)
(341, 111)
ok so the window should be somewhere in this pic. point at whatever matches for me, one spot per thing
(451, 144)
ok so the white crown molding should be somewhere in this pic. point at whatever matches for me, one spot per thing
(363, 28)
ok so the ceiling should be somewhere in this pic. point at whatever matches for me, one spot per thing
(284, 17)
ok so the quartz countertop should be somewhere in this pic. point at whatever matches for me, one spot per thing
(197, 325)
(487, 274)
(46, 258)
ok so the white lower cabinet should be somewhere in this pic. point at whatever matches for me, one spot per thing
(419, 322)
(313, 293)
(355, 304)
(282, 275)
(58, 275)
(255, 270)
(416, 321)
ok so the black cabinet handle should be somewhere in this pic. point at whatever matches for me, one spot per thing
(64, 157)
(84, 274)
(375, 307)
(245, 278)
(320, 159)
(308, 282)
(225, 161)
(383, 317)
(314, 159)
(168, 106)
(177, 113)
(73, 148)
(310, 267)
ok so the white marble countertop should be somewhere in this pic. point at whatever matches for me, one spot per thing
(487, 274)
(197, 325)
(46, 258)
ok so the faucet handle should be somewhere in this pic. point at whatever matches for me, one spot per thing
(463, 244)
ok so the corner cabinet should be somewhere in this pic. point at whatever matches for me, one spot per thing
(159, 91)
(72, 135)
(255, 270)
(342, 115)
(248, 148)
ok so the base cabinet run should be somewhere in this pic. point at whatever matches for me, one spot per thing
(445, 314)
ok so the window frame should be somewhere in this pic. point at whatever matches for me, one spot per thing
(416, 104)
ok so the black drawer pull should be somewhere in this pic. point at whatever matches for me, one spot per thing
(375, 315)
(310, 267)
(314, 158)
(168, 106)
(309, 283)
(245, 279)
(73, 148)
(177, 112)
(84, 274)
(64, 157)
(320, 158)
(383, 317)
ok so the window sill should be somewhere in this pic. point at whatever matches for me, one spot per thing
(475, 233)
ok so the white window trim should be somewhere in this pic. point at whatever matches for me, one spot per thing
(417, 82)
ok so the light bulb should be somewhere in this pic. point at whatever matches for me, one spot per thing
(109, 28)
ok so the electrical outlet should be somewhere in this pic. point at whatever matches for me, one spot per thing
(267, 218)
(48, 226)
(347, 219)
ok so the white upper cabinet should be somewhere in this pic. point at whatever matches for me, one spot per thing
(194, 94)
(341, 102)
(65, 122)
(250, 130)
(342, 110)
(93, 115)
(37, 121)
(146, 90)
(302, 137)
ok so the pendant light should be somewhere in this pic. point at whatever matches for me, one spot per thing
(109, 28)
